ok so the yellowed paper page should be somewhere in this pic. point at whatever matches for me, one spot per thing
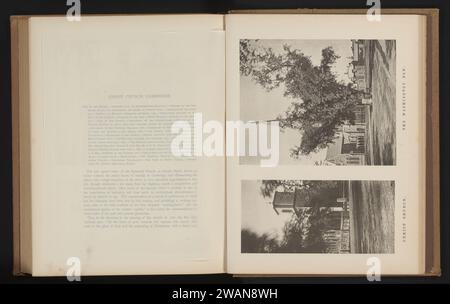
(347, 196)
(106, 188)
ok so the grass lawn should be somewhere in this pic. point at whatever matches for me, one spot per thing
(372, 216)
(381, 148)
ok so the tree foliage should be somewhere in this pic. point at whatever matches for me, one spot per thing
(302, 233)
(251, 242)
(320, 103)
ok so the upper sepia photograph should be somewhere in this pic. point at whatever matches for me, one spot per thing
(334, 100)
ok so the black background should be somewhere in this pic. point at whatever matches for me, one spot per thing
(33, 7)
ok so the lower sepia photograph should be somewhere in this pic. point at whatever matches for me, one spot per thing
(307, 216)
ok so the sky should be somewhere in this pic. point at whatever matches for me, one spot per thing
(257, 214)
(258, 104)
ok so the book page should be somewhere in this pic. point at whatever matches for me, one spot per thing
(107, 188)
(332, 177)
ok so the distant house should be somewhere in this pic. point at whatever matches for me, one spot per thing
(298, 200)
(358, 51)
(358, 71)
(359, 77)
(347, 149)
(337, 241)
(360, 115)
(336, 229)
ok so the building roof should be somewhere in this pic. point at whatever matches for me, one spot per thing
(339, 160)
(287, 199)
(302, 198)
(283, 199)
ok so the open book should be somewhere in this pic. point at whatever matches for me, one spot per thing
(278, 143)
